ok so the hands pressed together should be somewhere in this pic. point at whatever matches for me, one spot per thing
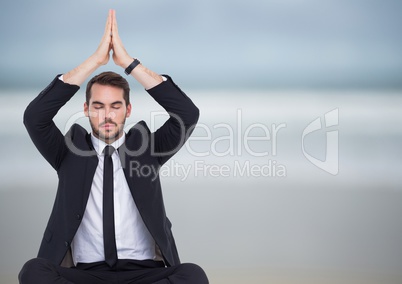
(111, 41)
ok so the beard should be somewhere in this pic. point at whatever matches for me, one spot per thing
(107, 136)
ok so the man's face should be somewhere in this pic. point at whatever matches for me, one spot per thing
(107, 112)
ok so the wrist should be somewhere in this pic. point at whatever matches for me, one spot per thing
(126, 62)
(134, 64)
(95, 61)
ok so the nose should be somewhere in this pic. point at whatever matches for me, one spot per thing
(110, 114)
(105, 114)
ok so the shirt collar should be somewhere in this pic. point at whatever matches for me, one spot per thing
(100, 145)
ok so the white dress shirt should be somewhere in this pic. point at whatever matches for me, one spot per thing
(133, 240)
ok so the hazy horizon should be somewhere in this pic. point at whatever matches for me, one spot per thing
(319, 202)
(213, 44)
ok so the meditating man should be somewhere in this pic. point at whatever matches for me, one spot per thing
(108, 223)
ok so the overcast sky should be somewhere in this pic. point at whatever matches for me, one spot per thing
(212, 43)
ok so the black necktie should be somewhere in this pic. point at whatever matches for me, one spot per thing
(109, 239)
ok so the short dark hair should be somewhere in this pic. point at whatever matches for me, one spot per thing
(109, 78)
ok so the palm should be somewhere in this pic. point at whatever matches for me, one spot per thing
(120, 55)
(102, 54)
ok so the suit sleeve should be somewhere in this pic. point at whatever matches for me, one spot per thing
(38, 120)
(183, 116)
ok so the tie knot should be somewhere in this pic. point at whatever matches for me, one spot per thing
(108, 150)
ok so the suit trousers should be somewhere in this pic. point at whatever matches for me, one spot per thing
(39, 270)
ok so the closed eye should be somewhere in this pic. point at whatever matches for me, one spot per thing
(97, 106)
(116, 105)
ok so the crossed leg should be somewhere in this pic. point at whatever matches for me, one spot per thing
(39, 270)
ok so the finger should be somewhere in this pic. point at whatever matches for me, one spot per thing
(108, 27)
(111, 21)
(114, 26)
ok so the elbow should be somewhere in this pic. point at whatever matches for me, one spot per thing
(28, 117)
(31, 117)
(192, 119)
(196, 114)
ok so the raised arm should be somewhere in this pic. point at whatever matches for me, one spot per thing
(183, 114)
(78, 75)
(38, 116)
(147, 78)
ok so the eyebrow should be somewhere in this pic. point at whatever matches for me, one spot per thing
(100, 103)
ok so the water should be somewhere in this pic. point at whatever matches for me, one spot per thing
(240, 205)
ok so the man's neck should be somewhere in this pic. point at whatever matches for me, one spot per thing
(100, 144)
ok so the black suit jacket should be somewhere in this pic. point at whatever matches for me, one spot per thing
(73, 157)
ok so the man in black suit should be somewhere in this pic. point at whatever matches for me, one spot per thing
(108, 223)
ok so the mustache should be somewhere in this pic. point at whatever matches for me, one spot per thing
(108, 121)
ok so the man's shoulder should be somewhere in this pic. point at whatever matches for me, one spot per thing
(78, 137)
(140, 127)
(138, 136)
(77, 130)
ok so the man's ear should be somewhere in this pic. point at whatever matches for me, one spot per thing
(128, 112)
(86, 109)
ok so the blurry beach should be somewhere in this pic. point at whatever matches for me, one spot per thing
(294, 172)
(247, 209)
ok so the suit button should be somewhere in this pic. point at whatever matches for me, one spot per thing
(66, 243)
(78, 216)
